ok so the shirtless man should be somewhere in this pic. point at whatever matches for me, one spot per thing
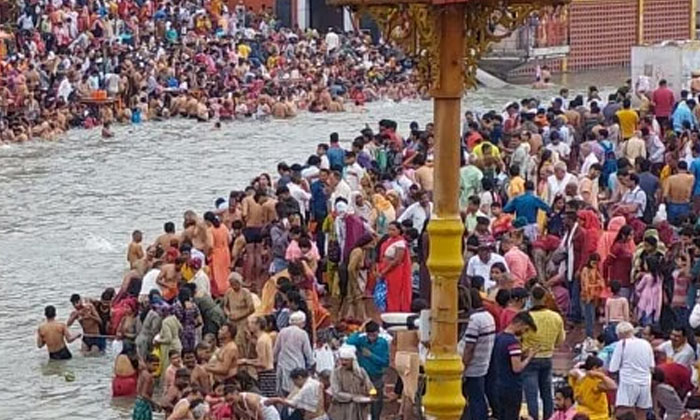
(279, 110)
(86, 314)
(224, 365)
(185, 408)
(144, 405)
(173, 394)
(196, 232)
(169, 278)
(189, 360)
(199, 375)
(55, 336)
(135, 251)
(169, 238)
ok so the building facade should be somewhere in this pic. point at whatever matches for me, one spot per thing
(591, 34)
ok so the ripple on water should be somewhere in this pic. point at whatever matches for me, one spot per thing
(69, 207)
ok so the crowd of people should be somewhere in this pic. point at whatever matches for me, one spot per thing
(577, 211)
(88, 63)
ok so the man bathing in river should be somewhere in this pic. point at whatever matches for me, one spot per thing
(86, 314)
(55, 335)
(143, 408)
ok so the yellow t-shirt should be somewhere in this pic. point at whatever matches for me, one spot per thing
(494, 150)
(590, 400)
(628, 122)
(243, 50)
(516, 187)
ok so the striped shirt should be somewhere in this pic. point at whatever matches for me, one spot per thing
(481, 331)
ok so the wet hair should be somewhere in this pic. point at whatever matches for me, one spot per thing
(74, 298)
(169, 227)
(211, 218)
(50, 312)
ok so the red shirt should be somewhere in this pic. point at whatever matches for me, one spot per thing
(507, 315)
(663, 102)
(678, 376)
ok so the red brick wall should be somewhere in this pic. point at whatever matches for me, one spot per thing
(666, 19)
(601, 33)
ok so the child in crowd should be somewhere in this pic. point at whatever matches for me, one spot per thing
(592, 287)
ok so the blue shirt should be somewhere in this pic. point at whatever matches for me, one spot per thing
(378, 360)
(336, 158)
(506, 346)
(526, 205)
(319, 209)
(695, 170)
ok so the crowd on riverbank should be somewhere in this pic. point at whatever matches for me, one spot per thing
(579, 210)
(86, 64)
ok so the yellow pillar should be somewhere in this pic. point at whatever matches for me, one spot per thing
(640, 22)
(693, 19)
(443, 398)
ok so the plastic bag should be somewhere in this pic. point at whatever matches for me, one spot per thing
(380, 292)
(117, 347)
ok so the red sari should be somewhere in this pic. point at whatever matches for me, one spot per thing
(398, 280)
(220, 260)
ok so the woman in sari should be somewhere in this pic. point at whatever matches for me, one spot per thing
(353, 306)
(220, 254)
(385, 214)
(617, 262)
(608, 238)
(395, 268)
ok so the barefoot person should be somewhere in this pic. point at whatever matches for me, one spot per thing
(89, 319)
(54, 335)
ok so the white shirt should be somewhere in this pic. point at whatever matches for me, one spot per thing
(332, 41)
(562, 149)
(325, 163)
(555, 186)
(634, 359)
(149, 282)
(65, 89)
(476, 267)
(417, 214)
(310, 172)
(685, 356)
(301, 196)
(353, 175)
(341, 190)
(590, 160)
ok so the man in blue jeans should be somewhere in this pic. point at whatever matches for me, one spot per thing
(537, 377)
(478, 342)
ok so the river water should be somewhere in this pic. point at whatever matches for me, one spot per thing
(68, 209)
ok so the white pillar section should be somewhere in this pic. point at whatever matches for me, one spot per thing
(303, 13)
(347, 19)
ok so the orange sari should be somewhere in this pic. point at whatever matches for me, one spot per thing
(220, 259)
